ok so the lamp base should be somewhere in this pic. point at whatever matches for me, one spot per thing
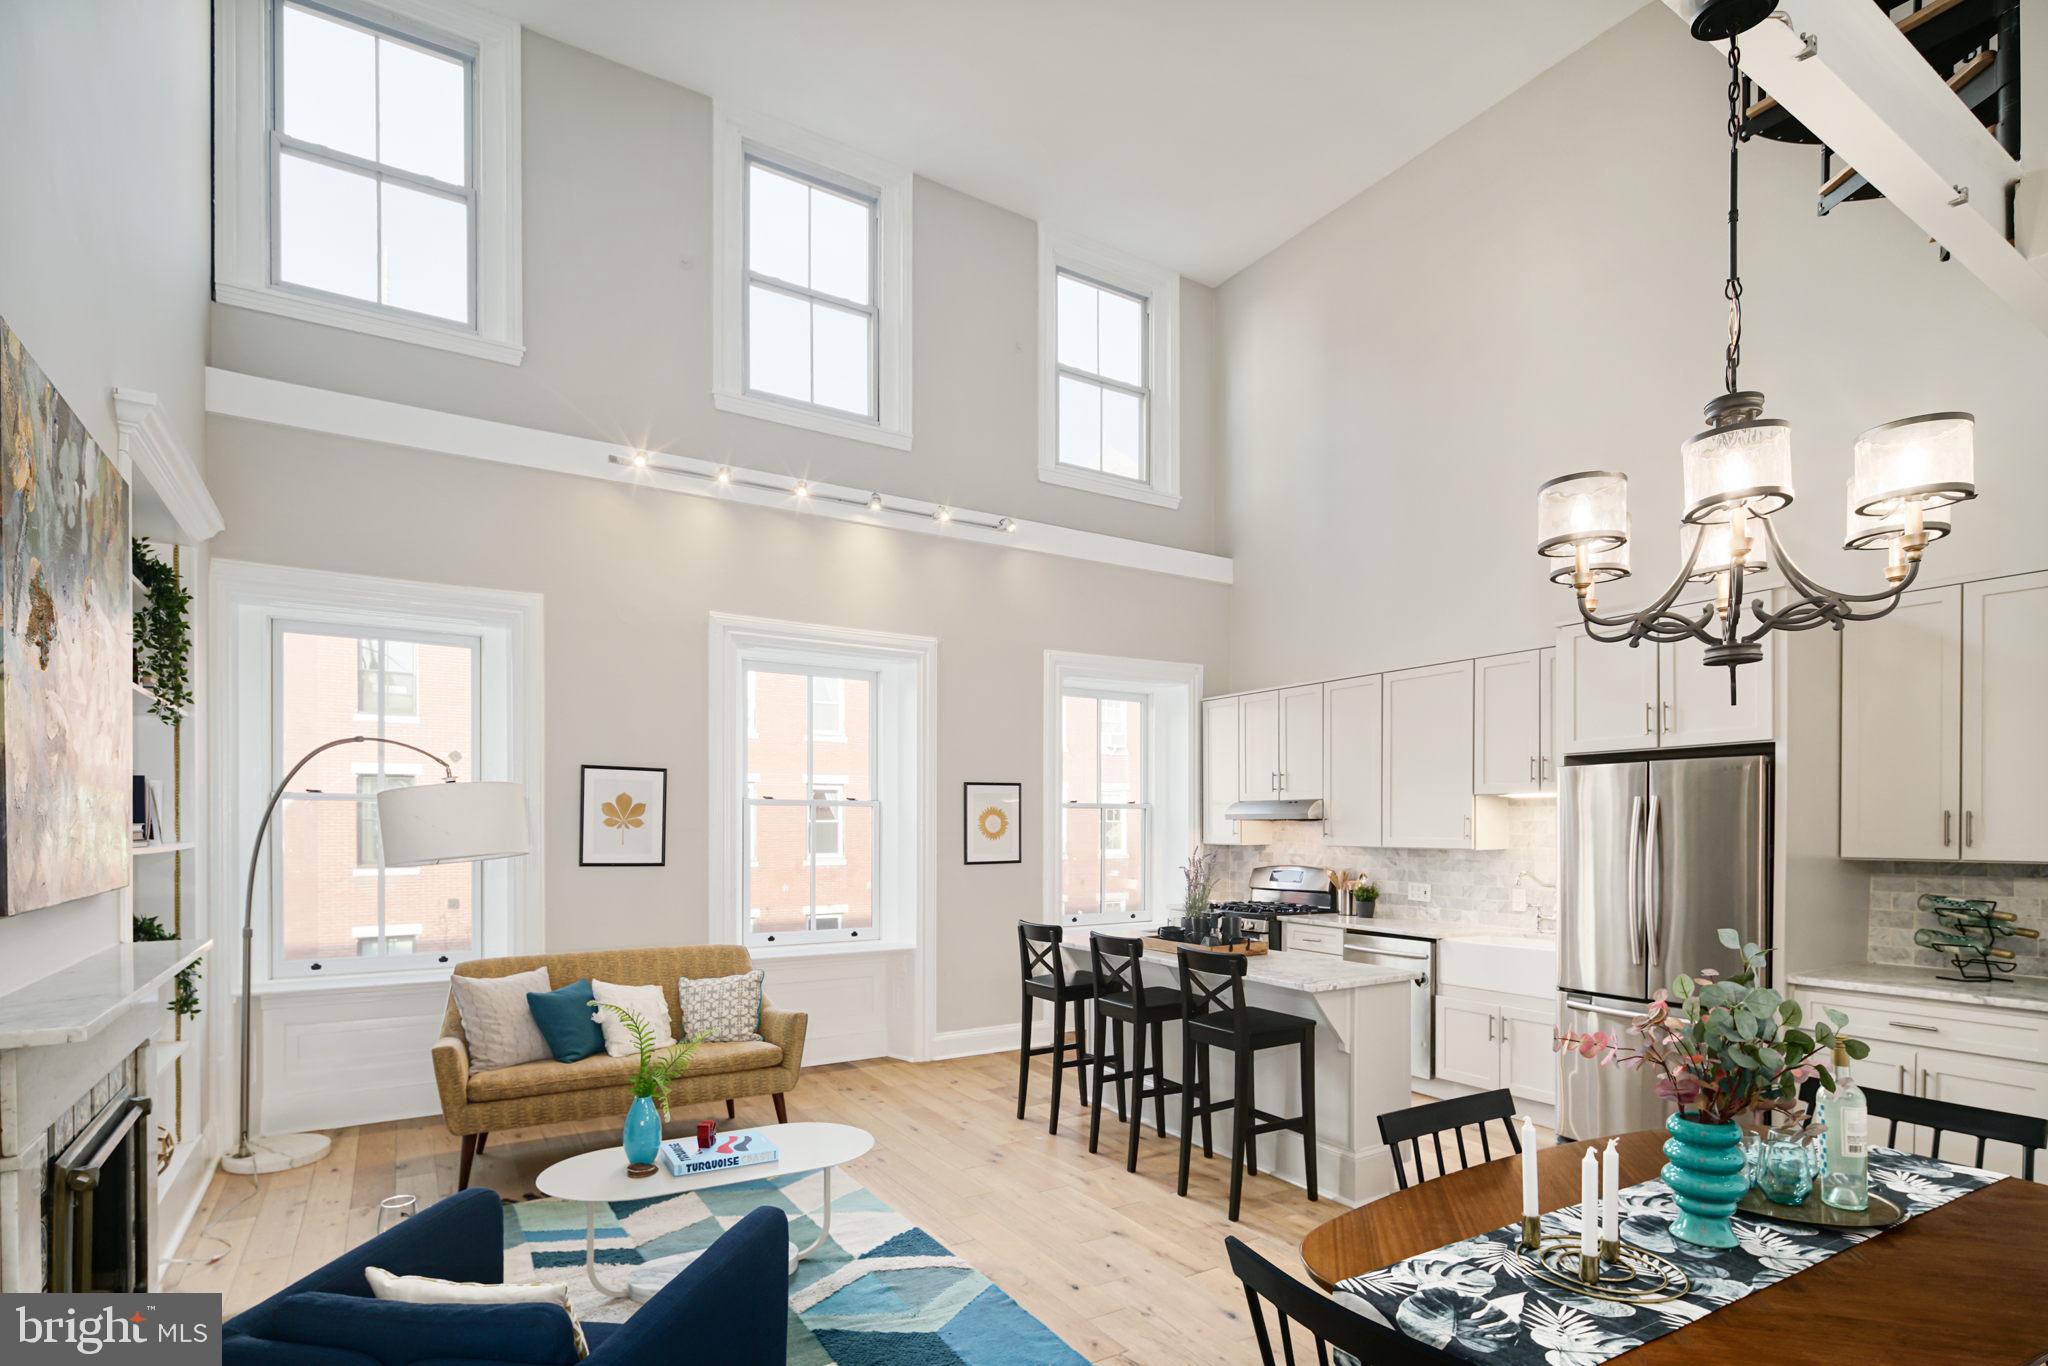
(277, 1153)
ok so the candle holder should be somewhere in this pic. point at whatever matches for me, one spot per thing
(1610, 1251)
(1589, 1270)
(1630, 1276)
(1532, 1233)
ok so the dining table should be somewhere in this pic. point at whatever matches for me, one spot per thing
(1964, 1282)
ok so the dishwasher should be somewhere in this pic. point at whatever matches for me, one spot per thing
(1418, 957)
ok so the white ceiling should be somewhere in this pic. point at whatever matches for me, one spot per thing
(1199, 134)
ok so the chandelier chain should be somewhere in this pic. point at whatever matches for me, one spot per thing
(1732, 290)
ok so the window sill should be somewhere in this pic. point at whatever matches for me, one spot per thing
(1090, 482)
(368, 321)
(436, 978)
(791, 952)
(852, 428)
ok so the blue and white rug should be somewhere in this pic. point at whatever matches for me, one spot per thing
(880, 1292)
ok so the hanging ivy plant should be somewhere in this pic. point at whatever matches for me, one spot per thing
(185, 996)
(163, 634)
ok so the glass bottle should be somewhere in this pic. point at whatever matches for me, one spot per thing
(1845, 1183)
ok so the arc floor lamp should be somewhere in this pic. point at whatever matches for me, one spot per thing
(444, 822)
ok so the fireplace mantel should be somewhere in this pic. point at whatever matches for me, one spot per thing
(75, 1004)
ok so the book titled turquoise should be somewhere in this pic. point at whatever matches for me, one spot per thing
(740, 1148)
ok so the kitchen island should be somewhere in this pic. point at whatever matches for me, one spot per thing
(1361, 1015)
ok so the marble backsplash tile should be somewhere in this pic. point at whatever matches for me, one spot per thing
(1896, 888)
(1467, 886)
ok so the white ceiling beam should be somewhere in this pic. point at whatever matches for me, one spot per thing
(1871, 97)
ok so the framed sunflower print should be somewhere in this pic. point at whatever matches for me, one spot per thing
(990, 813)
(625, 818)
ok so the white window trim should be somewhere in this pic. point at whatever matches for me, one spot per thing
(1161, 290)
(241, 173)
(734, 136)
(245, 598)
(1172, 692)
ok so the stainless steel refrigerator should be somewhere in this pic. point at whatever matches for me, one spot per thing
(1655, 856)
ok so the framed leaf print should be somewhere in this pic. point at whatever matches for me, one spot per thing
(625, 817)
(990, 815)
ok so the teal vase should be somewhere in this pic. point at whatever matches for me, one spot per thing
(1704, 1168)
(643, 1131)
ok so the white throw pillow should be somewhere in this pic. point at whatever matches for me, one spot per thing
(497, 1021)
(722, 1009)
(646, 1002)
(428, 1290)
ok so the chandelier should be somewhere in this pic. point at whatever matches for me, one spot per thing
(1738, 475)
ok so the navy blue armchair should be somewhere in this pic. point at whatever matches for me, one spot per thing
(735, 1296)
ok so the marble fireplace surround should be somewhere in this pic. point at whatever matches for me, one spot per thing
(68, 1044)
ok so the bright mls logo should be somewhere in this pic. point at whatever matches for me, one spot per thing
(165, 1330)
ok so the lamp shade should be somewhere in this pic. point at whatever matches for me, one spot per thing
(1602, 566)
(1587, 509)
(1714, 541)
(1866, 531)
(451, 822)
(1930, 460)
(1740, 464)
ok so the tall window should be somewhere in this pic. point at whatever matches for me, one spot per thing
(814, 810)
(811, 334)
(375, 192)
(337, 904)
(1105, 823)
(1102, 383)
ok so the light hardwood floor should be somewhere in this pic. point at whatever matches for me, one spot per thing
(1114, 1263)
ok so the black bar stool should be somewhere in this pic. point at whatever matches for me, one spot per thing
(1121, 998)
(1046, 978)
(1212, 994)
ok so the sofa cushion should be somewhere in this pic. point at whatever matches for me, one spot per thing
(397, 1334)
(595, 1073)
(563, 1016)
(722, 1009)
(384, 1285)
(496, 1019)
(648, 1002)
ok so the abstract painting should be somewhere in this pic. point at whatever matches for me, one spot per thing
(66, 647)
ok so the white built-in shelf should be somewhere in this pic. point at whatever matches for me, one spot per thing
(162, 1054)
(160, 847)
(73, 1004)
(145, 699)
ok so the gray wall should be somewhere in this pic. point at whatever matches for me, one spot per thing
(629, 574)
(618, 323)
(103, 260)
(1541, 293)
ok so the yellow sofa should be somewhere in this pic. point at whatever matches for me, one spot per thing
(475, 1103)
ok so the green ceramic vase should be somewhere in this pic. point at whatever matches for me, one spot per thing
(1704, 1168)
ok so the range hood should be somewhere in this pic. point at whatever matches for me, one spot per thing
(1296, 809)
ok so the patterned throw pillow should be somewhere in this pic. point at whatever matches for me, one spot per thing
(646, 1002)
(722, 1009)
(497, 1021)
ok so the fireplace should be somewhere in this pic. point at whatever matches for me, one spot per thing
(99, 1201)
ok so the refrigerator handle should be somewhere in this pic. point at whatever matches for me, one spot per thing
(1653, 900)
(1635, 920)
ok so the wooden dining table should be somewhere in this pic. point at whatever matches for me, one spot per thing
(1964, 1282)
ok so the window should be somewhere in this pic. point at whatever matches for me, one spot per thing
(827, 832)
(1109, 361)
(814, 813)
(828, 707)
(811, 257)
(368, 168)
(388, 670)
(369, 846)
(1103, 831)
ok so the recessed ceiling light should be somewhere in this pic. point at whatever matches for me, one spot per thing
(944, 514)
(874, 502)
(803, 488)
(724, 475)
(639, 460)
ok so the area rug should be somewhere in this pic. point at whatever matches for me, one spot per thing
(880, 1292)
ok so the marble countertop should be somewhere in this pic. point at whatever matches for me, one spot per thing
(1419, 928)
(1312, 973)
(75, 1003)
(1884, 979)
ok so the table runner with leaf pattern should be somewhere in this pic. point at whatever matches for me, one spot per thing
(1476, 1301)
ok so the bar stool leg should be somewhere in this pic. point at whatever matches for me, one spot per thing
(1189, 1091)
(1308, 1109)
(1208, 1144)
(1081, 1058)
(1250, 1108)
(1102, 1028)
(1123, 1104)
(1059, 1053)
(1240, 1122)
(1158, 1078)
(1024, 1057)
(1136, 1122)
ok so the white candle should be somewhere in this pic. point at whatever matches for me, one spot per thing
(1530, 1206)
(1589, 1206)
(1610, 1193)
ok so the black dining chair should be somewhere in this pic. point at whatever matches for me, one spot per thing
(1433, 1121)
(1216, 1016)
(1046, 979)
(1330, 1324)
(1122, 998)
(2027, 1132)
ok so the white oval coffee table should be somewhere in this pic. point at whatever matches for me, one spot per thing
(600, 1177)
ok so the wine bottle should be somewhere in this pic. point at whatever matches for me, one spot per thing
(1846, 1182)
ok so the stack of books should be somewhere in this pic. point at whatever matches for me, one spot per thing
(740, 1148)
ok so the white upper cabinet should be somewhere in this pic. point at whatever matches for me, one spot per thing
(1301, 742)
(1258, 720)
(1426, 783)
(1352, 758)
(1219, 769)
(1546, 720)
(1902, 730)
(1507, 722)
(1606, 694)
(2005, 719)
(1693, 707)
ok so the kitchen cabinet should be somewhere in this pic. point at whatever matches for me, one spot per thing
(1546, 720)
(1298, 935)
(1502, 1041)
(2005, 722)
(1527, 1051)
(1693, 706)
(1507, 722)
(1468, 1042)
(1220, 786)
(1351, 762)
(1258, 721)
(1281, 744)
(1426, 797)
(1615, 697)
(1902, 729)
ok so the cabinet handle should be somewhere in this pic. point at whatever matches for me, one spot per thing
(1948, 821)
(1667, 717)
(1468, 827)
(1649, 719)
(1917, 1028)
(1969, 828)
(1922, 1092)
(1489, 1030)
(1532, 768)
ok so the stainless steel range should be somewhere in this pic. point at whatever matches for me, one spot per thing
(1280, 890)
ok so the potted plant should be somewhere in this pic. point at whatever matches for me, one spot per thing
(1201, 872)
(1365, 896)
(185, 996)
(163, 634)
(1722, 1048)
(651, 1083)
